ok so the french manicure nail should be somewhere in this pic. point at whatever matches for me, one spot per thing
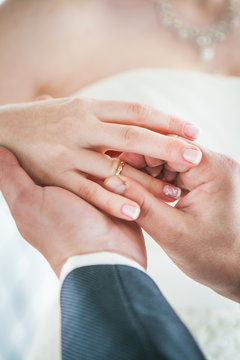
(116, 185)
(131, 211)
(192, 156)
(172, 191)
(191, 131)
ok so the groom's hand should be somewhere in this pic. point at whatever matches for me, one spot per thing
(60, 224)
(202, 233)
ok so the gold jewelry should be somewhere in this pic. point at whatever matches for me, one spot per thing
(120, 168)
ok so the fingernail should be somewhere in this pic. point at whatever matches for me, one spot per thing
(191, 131)
(192, 156)
(172, 191)
(131, 211)
(116, 185)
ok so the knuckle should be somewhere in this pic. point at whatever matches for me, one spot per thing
(77, 103)
(143, 111)
(60, 160)
(76, 108)
(154, 187)
(174, 124)
(110, 204)
(87, 192)
(130, 135)
(223, 162)
(146, 208)
(230, 171)
(230, 162)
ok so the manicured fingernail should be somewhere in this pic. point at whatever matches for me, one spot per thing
(131, 211)
(172, 191)
(193, 156)
(191, 131)
(116, 185)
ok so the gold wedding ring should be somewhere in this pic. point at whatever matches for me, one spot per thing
(120, 168)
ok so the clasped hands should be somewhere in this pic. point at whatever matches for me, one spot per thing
(200, 234)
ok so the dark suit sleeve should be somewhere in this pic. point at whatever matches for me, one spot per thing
(116, 312)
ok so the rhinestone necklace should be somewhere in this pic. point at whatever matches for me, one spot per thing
(204, 38)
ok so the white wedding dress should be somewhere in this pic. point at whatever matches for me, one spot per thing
(28, 286)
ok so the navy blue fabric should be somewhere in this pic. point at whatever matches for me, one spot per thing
(116, 312)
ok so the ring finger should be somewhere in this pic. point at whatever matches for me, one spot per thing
(104, 167)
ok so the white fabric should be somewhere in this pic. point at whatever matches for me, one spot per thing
(213, 103)
(101, 258)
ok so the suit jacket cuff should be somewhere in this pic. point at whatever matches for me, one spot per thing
(100, 258)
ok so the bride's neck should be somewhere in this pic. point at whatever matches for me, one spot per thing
(200, 12)
(196, 12)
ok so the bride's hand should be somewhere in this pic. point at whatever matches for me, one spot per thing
(158, 168)
(61, 141)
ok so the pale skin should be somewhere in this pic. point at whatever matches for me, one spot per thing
(44, 48)
(63, 142)
(36, 53)
(202, 233)
(58, 46)
(59, 224)
(54, 75)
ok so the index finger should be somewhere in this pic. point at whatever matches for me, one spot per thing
(144, 116)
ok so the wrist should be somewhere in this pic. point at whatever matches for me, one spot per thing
(102, 256)
(96, 259)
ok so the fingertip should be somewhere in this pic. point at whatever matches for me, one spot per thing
(192, 155)
(191, 131)
(131, 211)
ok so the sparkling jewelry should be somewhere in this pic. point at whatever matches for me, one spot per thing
(204, 38)
(120, 168)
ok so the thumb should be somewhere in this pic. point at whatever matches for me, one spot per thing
(16, 186)
(158, 219)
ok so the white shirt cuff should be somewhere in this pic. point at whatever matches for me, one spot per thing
(101, 258)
